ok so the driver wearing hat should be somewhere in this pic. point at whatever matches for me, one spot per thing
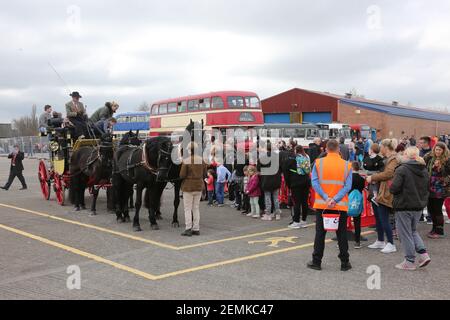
(76, 114)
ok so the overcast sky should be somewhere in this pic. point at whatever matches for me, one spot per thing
(134, 51)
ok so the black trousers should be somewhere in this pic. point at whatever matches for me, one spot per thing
(434, 208)
(300, 201)
(13, 173)
(341, 233)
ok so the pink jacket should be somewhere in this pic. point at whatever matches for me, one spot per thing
(253, 188)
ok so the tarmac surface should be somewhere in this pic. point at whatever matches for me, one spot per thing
(235, 257)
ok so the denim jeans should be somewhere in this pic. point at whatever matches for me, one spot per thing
(268, 195)
(220, 187)
(210, 197)
(383, 224)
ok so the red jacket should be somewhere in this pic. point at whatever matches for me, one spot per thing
(253, 188)
(210, 184)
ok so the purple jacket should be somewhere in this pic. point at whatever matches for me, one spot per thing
(253, 188)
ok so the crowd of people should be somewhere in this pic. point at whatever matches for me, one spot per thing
(399, 177)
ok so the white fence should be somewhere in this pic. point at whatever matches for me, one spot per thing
(36, 146)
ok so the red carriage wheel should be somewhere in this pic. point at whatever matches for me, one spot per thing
(60, 190)
(44, 180)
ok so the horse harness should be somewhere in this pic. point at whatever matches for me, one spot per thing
(143, 163)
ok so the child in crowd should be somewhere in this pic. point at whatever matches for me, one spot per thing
(373, 163)
(254, 192)
(358, 183)
(245, 198)
(210, 186)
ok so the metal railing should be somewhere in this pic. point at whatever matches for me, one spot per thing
(35, 147)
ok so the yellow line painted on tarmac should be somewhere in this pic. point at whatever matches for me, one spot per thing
(90, 226)
(80, 253)
(149, 276)
(246, 258)
(237, 238)
(135, 238)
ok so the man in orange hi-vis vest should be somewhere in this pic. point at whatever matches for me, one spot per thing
(332, 181)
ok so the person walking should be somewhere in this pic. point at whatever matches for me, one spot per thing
(332, 181)
(193, 172)
(385, 197)
(438, 166)
(297, 179)
(410, 190)
(16, 169)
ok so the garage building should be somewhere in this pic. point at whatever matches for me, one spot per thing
(390, 119)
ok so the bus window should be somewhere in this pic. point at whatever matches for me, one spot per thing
(133, 119)
(193, 105)
(205, 103)
(163, 109)
(294, 133)
(252, 102)
(172, 107)
(235, 102)
(312, 133)
(182, 106)
(154, 109)
(217, 103)
(121, 119)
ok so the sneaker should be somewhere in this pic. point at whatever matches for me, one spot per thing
(249, 214)
(429, 222)
(220, 205)
(195, 233)
(377, 245)
(406, 265)
(266, 217)
(424, 260)
(435, 236)
(256, 216)
(294, 225)
(447, 221)
(187, 233)
(389, 248)
(278, 217)
(357, 245)
(303, 224)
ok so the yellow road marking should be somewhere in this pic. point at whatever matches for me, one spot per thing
(80, 253)
(149, 276)
(117, 233)
(135, 238)
(246, 258)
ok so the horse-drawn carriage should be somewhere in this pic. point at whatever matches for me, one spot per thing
(63, 169)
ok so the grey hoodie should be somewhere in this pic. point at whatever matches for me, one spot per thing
(410, 186)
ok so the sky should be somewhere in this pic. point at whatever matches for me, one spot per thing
(135, 51)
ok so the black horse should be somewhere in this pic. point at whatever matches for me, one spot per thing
(90, 166)
(144, 166)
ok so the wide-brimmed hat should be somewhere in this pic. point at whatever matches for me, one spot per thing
(75, 94)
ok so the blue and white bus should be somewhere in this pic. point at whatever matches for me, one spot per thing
(138, 120)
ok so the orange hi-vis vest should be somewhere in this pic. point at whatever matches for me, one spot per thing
(332, 172)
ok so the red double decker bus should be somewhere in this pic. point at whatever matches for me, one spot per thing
(218, 110)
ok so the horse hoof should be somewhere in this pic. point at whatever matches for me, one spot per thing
(137, 229)
(154, 227)
(159, 217)
(175, 224)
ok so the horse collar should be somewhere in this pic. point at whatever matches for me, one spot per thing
(144, 161)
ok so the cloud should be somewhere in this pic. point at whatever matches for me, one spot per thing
(138, 51)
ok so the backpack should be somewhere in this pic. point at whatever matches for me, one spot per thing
(355, 203)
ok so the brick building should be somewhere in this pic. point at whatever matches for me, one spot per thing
(389, 119)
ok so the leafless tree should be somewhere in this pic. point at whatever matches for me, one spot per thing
(143, 106)
(356, 94)
(27, 125)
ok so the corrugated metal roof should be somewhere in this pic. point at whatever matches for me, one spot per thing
(399, 111)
